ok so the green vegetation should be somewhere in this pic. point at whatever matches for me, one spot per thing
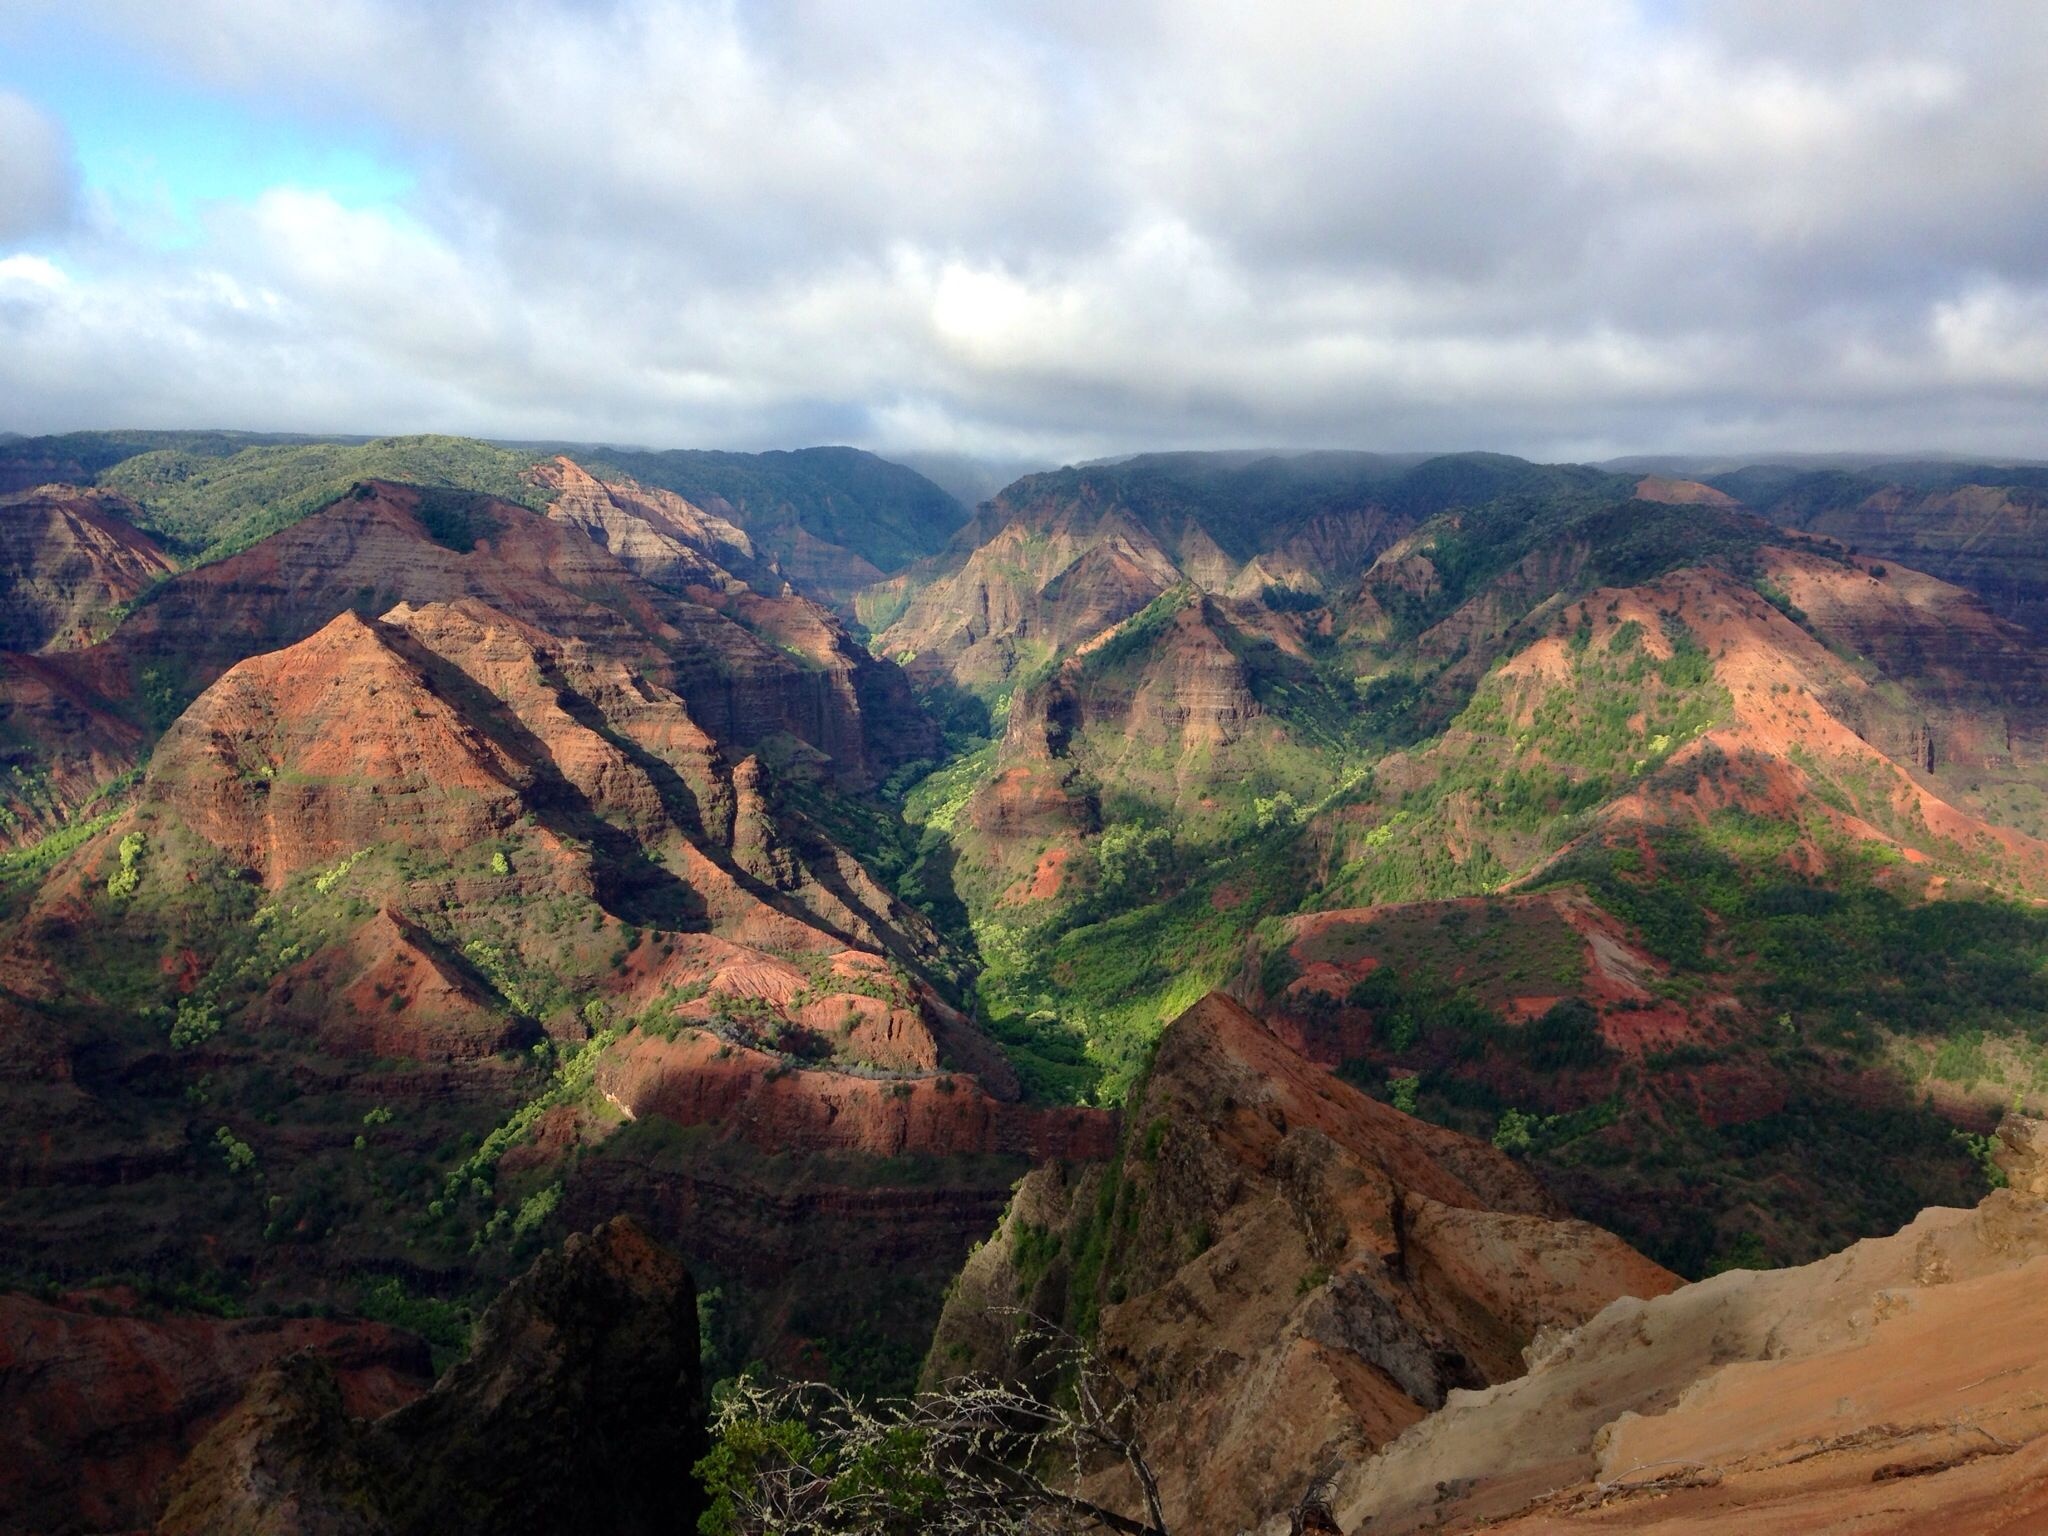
(884, 513)
(22, 866)
(194, 1023)
(535, 1209)
(445, 1325)
(1844, 956)
(122, 883)
(206, 505)
(1078, 1009)
(238, 1154)
(1516, 1131)
(1524, 763)
(571, 1078)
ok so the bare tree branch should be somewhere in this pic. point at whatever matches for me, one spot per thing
(805, 1459)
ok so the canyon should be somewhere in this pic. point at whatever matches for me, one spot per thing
(1381, 947)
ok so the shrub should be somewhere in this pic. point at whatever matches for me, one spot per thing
(121, 884)
(1133, 859)
(195, 1022)
(241, 1157)
(535, 1209)
(1516, 1131)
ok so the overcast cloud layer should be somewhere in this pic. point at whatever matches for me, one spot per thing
(1059, 229)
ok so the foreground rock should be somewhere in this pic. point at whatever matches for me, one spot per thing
(577, 1410)
(1286, 1272)
(1898, 1386)
(98, 1401)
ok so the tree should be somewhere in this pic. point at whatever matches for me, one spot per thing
(1401, 1092)
(121, 884)
(975, 1456)
(1134, 859)
(1516, 1131)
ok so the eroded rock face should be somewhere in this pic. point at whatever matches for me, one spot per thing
(1871, 1391)
(98, 1403)
(2022, 1154)
(69, 559)
(74, 717)
(388, 990)
(286, 1462)
(460, 791)
(61, 733)
(698, 1080)
(301, 756)
(1290, 1273)
(1058, 560)
(577, 1409)
(660, 536)
(1987, 538)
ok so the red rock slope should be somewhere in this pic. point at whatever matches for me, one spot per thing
(774, 671)
(68, 560)
(99, 1403)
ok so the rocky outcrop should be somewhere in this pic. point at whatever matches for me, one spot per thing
(628, 746)
(1976, 686)
(1195, 693)
(69, 560)
(577, 1409)
(834, 572)
(1860, 1393)
(1286, 1273)
(656, 534)
(832, 520)
(61, 743)
(441, 726)
(2022, 1155)
(1059, 559)
(101, 1398)
(858, 688)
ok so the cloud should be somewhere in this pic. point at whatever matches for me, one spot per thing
(1064, 229)
(37, 179)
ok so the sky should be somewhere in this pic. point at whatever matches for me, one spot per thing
(1034, 231)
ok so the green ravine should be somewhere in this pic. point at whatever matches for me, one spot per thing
(1388, 770)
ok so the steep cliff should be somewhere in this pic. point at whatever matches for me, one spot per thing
(578, 1408)
(750, 685)
(1979, 527)
(1285, 1272)
(661, 537)
(831, 520)
(1060, 559)
(102, 1396)
(1859, 1393)
(418, 927)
